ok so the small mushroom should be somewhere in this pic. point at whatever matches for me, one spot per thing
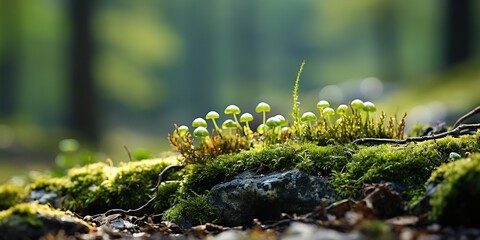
(234, 110)
(212, 115)
(181, 131)
(357, 104)
(328, 112)
(229, 124)
(322, 104)
(262, 128)
(263, 107)
(199, 122)
(369, 107)
(246, 117)
(308, 117)
(200, 132)
(342, 109)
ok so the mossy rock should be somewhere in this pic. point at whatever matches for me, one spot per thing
(99, 187)
(456, 200)
(348, 166)
(33, 221)
(10, 195)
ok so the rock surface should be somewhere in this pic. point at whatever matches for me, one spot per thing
(251, 196)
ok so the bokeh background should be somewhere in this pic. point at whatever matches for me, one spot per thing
(118, 74)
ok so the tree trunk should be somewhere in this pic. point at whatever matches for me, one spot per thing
(458, 30)
(82, 111)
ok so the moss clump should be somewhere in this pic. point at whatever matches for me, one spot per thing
(83, 191)
(140, 177)
(10, 195)
(99, 187)
(192, 211)
(408, 165)
(318, 160)
(348, 166)
(457, 197)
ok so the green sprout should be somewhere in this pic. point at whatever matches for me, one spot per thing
(263, 107)
(212, 115)
(245, 118)
(234, 110)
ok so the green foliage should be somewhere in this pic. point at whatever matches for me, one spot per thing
(458, 193)
(192, 211)
(10, 195)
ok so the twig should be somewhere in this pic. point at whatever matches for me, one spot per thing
(118, 210)
(459, 130)
(128, 152)
(466, 116)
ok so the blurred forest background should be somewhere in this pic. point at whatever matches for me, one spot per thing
(121, 73)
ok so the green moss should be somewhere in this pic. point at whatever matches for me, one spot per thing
(98, 187)
(319, 160)
(347, 166)
(408, 165)
(455, 201)
(139, 176)
(10, 195)
(192, 211)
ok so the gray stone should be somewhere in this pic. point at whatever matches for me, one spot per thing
(37, 226)
(267, 196)
(45, 197)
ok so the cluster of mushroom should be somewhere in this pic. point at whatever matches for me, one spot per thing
(326, 112)
(276, 124)
(200, 124)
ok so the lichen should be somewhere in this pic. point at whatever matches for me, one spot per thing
(455, 201)
(10, 195)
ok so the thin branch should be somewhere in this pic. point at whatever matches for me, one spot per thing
(128, 152)
(159, 181)
(466, 116)
(459, 130)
